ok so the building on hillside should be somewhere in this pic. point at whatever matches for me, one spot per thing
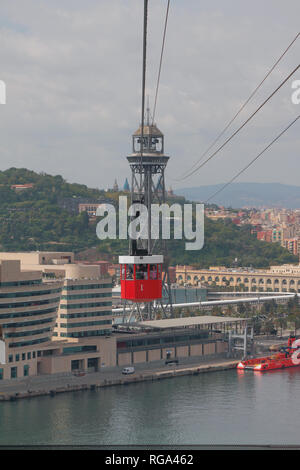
(277, 235)
(115, 186)
(126, 187)
(264, 235)
(21, 187)
(91, 209)
(291, 244)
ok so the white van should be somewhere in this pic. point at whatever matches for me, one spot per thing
(128, 370)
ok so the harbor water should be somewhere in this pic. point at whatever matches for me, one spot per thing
(221, 408)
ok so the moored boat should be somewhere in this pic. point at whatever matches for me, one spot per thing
(288, 356)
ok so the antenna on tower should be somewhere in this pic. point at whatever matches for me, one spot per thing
(148, 112)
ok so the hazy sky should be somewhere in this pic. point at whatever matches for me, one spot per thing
(73, 74)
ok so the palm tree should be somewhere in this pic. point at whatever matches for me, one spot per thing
(281, 322)
(295, 319)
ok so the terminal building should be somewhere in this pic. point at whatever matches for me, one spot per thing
(177, 338)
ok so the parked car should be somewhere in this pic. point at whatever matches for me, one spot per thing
(128, 370)
(172, 361)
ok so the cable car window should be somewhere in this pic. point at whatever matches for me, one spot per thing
(123, 271)
(159, 271)
(129, 272)
(153, 271)
(141, 271)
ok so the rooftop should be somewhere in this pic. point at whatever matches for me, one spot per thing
(189, 321)
(149, 130)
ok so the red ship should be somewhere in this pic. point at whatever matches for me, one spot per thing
(288, 356)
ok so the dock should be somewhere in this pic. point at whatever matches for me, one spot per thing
(53, 385)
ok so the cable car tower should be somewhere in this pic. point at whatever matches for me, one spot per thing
(144, 273)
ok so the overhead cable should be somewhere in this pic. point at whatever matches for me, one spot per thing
(243, 105)
(241, 127)
(160, 62)
(252, 161)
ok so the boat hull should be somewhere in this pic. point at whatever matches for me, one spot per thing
(284, 360)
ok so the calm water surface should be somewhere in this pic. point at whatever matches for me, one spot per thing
(228, 407)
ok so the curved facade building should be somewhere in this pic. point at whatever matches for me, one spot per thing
(85, 309)
(28, 310)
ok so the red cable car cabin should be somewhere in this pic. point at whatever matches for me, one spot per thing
(141, 277)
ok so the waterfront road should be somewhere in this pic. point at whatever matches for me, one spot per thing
(65, 381)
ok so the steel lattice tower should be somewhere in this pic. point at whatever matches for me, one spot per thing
(148, 163)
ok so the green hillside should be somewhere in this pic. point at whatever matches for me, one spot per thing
(44, 217)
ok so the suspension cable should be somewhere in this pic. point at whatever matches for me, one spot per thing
(243, 106)
(160, 62)
(144, 77)
(252, 161)
(241, 127)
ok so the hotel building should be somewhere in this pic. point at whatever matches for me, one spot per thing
(55, 316)
(86, 304)
(28, 309)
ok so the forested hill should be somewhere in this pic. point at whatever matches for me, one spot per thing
(44, 216)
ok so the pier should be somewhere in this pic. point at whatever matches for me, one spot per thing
(53, 385)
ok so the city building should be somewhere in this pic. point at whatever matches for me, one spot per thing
(160, 340)
(21, 187)
(292, 245)
(284, 278)
(126, 187)
(28, 308)
(85, 308)
(54, 317)
(115, 186)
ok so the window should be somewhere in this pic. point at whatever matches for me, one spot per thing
(153, 271)
(1, 374)
(13, 372)
(129, 272)
(79, 349)
(26, 370)
(75, 364)
(93, 362)
(86, 296)
(141, 271)
(123, 271)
